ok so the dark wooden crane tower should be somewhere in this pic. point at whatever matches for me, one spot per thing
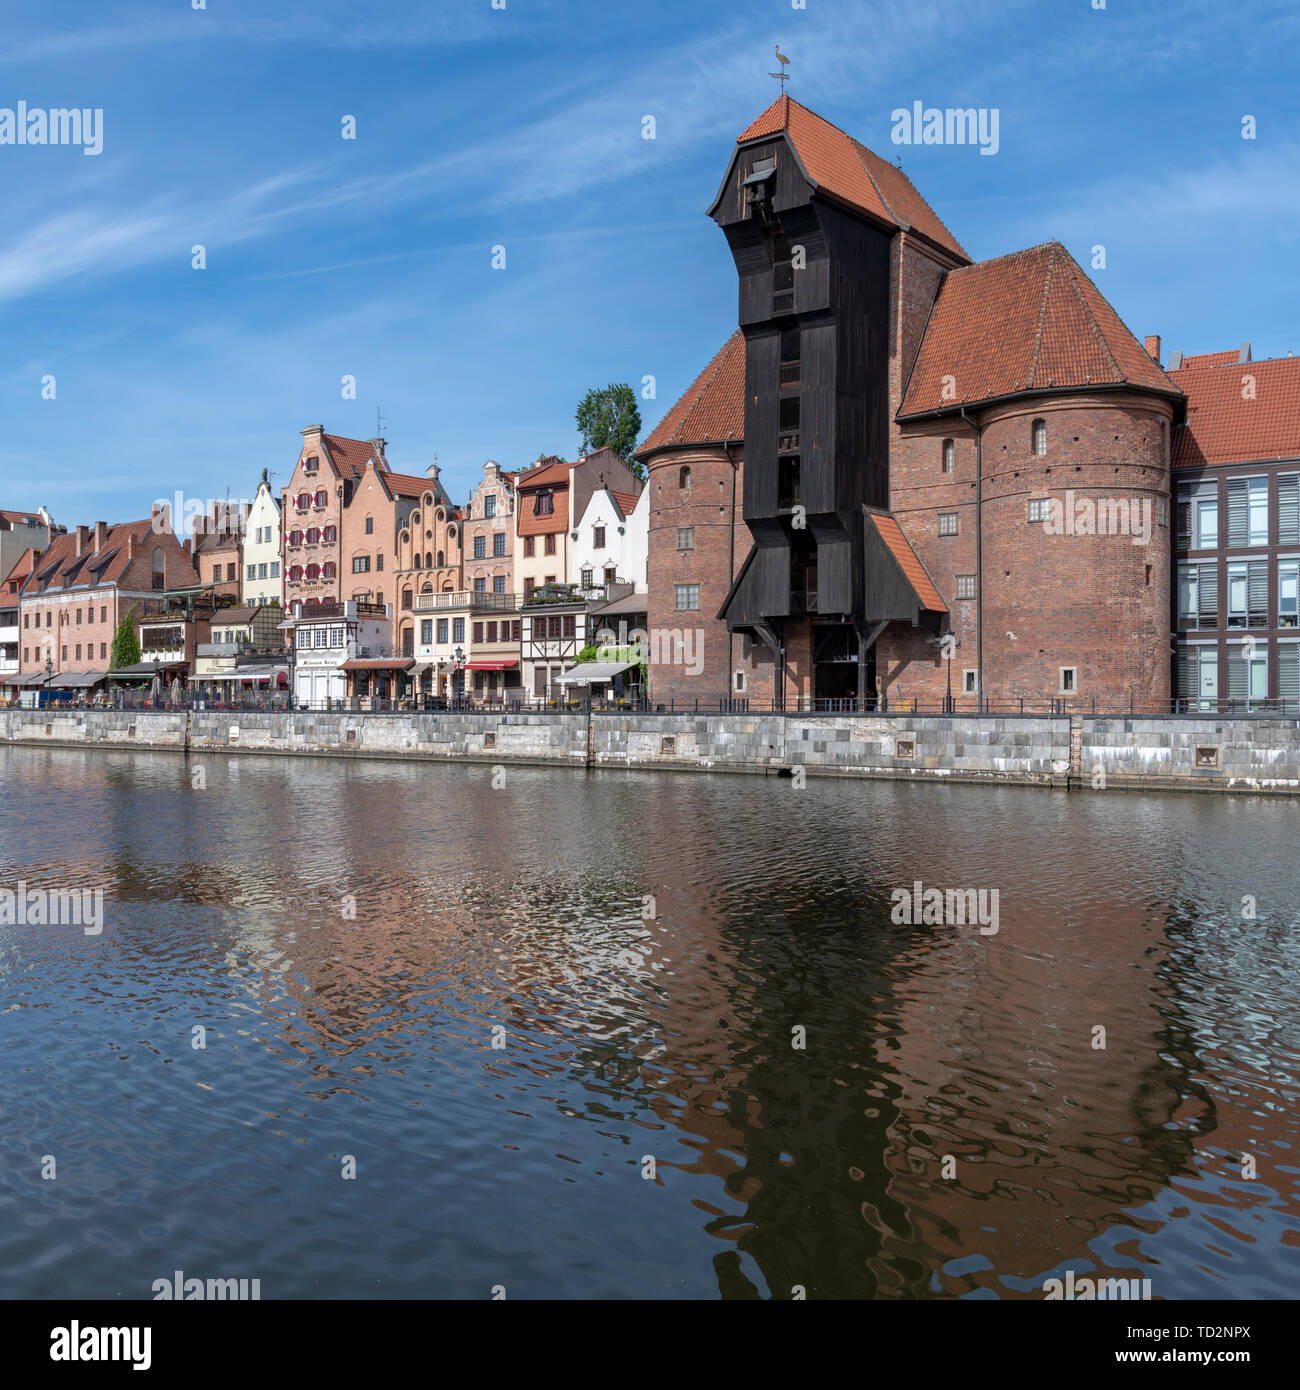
(814, 308)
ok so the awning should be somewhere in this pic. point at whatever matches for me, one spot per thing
(76, 680)
(37, 678)
(491, 665)
(591, 671)
(384, 663)
(144, 670)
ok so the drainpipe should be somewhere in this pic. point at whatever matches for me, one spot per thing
(731, 568)
(979, 552)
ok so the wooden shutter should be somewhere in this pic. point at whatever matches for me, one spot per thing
(1238, 511)
(1288, 510)
(1184, 525)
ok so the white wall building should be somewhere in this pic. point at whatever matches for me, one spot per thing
(611, 543)
(262, 581)
(327, 635)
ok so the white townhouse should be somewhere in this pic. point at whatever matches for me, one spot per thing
(262, 583)
(611, 543)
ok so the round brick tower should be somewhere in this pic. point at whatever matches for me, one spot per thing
(1076, 549)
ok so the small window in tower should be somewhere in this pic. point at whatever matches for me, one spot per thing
(947, 523)
(1039, 437)
(969, 685)
(787, 486)
(949, 455)
(788, 425)
(1069, 680)
(684, 478)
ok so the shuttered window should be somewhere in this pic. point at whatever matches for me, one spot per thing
(1247, 676)
(1248, 594)
(1247, 511)
(1288, 585)
(1288, 673)
(1198, 596)
(1288, 510)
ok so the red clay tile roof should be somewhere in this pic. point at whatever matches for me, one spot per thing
(22, 568)
(350, 455)
(626, 501)
(711, 410)
(409, 484)
(64, 567)
(545, 475)
(22, 518)
(1208, 359)
(1224, 427)
(1031, 321)
(851, 173)
(917, 575)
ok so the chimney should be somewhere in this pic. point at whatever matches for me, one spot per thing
(1153, 347)
(1243, 354)
(185, 545)
(101, 535)
(83, 535)
(130, 545)
(1175, 361)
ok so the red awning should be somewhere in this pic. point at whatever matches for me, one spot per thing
(491, 665)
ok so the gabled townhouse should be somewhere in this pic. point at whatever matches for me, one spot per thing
(262, 583)
(611, 540)
(84, 584)
(380, 508)
(467, 645)
(313, 503)
(218, 548)
(243, 656)
(428, 553)
(551, 496)
(489, 532)
(330, 640)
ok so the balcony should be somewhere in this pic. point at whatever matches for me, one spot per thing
(236, 649)
(468, 598)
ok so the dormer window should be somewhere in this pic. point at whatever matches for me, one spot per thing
(312, 464)
(759, 182)
(544, 503)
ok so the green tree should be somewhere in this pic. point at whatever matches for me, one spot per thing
(608, 417)
(126, 645)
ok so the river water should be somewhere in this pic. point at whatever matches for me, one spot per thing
(639, 1035)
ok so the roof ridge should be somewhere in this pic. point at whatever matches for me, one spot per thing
(1092, 319)
(1031, 380)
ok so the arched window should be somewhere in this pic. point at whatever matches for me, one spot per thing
(328, 570)
(322, 497)
(416, 565)
(949, 455)
(159, 568)
(295, 573)
(331, 534)
(304, 501)
(295, 537)
(1038, 437)
(684, 477)
(313, 535)
(440, 560)
(313, 573)
(428, 560)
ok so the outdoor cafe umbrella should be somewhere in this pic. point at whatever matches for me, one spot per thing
(176, 690)
(155, 689)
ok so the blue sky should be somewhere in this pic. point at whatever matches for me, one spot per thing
(522, 127)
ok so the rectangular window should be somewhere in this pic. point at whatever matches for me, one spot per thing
(1288, 510)
(543, 504)
(1207, 523)
(1288, 674)
(370, 526)
(252, 572)
(598, 537)
(1038, 508)
(1198, 596)
(480, 547)
(379, 560)
(361, 564)
(969, 684)
(1288, 573)
(103, 615)
(498, 583)
(491, 633)
(78, 617)
(490, 506)
(1247, 511)
(550, 545)
(478, 633)
(686, 597)
(965, 586)
(570, 625)
(1069, 680)
(442, 630)
(498, 545)
(480, 585)
(426, 632)
(103, 650)
(78, 651)
(686, 538)
(458, 629)
(1247, 674)
(261, 571)
(275, 569)
(1248, 593)
(947, 523)
(530, 545)
(231, 573)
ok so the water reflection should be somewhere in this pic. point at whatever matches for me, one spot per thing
(354, 937)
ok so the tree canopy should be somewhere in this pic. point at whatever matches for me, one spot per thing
(126, 645)
(608, 417)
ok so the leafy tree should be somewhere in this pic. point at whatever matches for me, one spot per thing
(126, 645)
(608, 417)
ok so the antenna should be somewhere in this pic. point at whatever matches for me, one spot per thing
(782, 77)
(379, 423)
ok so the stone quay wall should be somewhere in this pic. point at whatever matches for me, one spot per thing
(1201, 753)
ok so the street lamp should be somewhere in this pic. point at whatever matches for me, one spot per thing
(49, 671)
(950, 646)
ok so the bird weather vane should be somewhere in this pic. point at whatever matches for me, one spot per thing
(782, 77)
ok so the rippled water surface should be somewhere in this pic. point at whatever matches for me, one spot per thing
(949, 1127)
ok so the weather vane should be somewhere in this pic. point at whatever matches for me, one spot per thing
(782, 77)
